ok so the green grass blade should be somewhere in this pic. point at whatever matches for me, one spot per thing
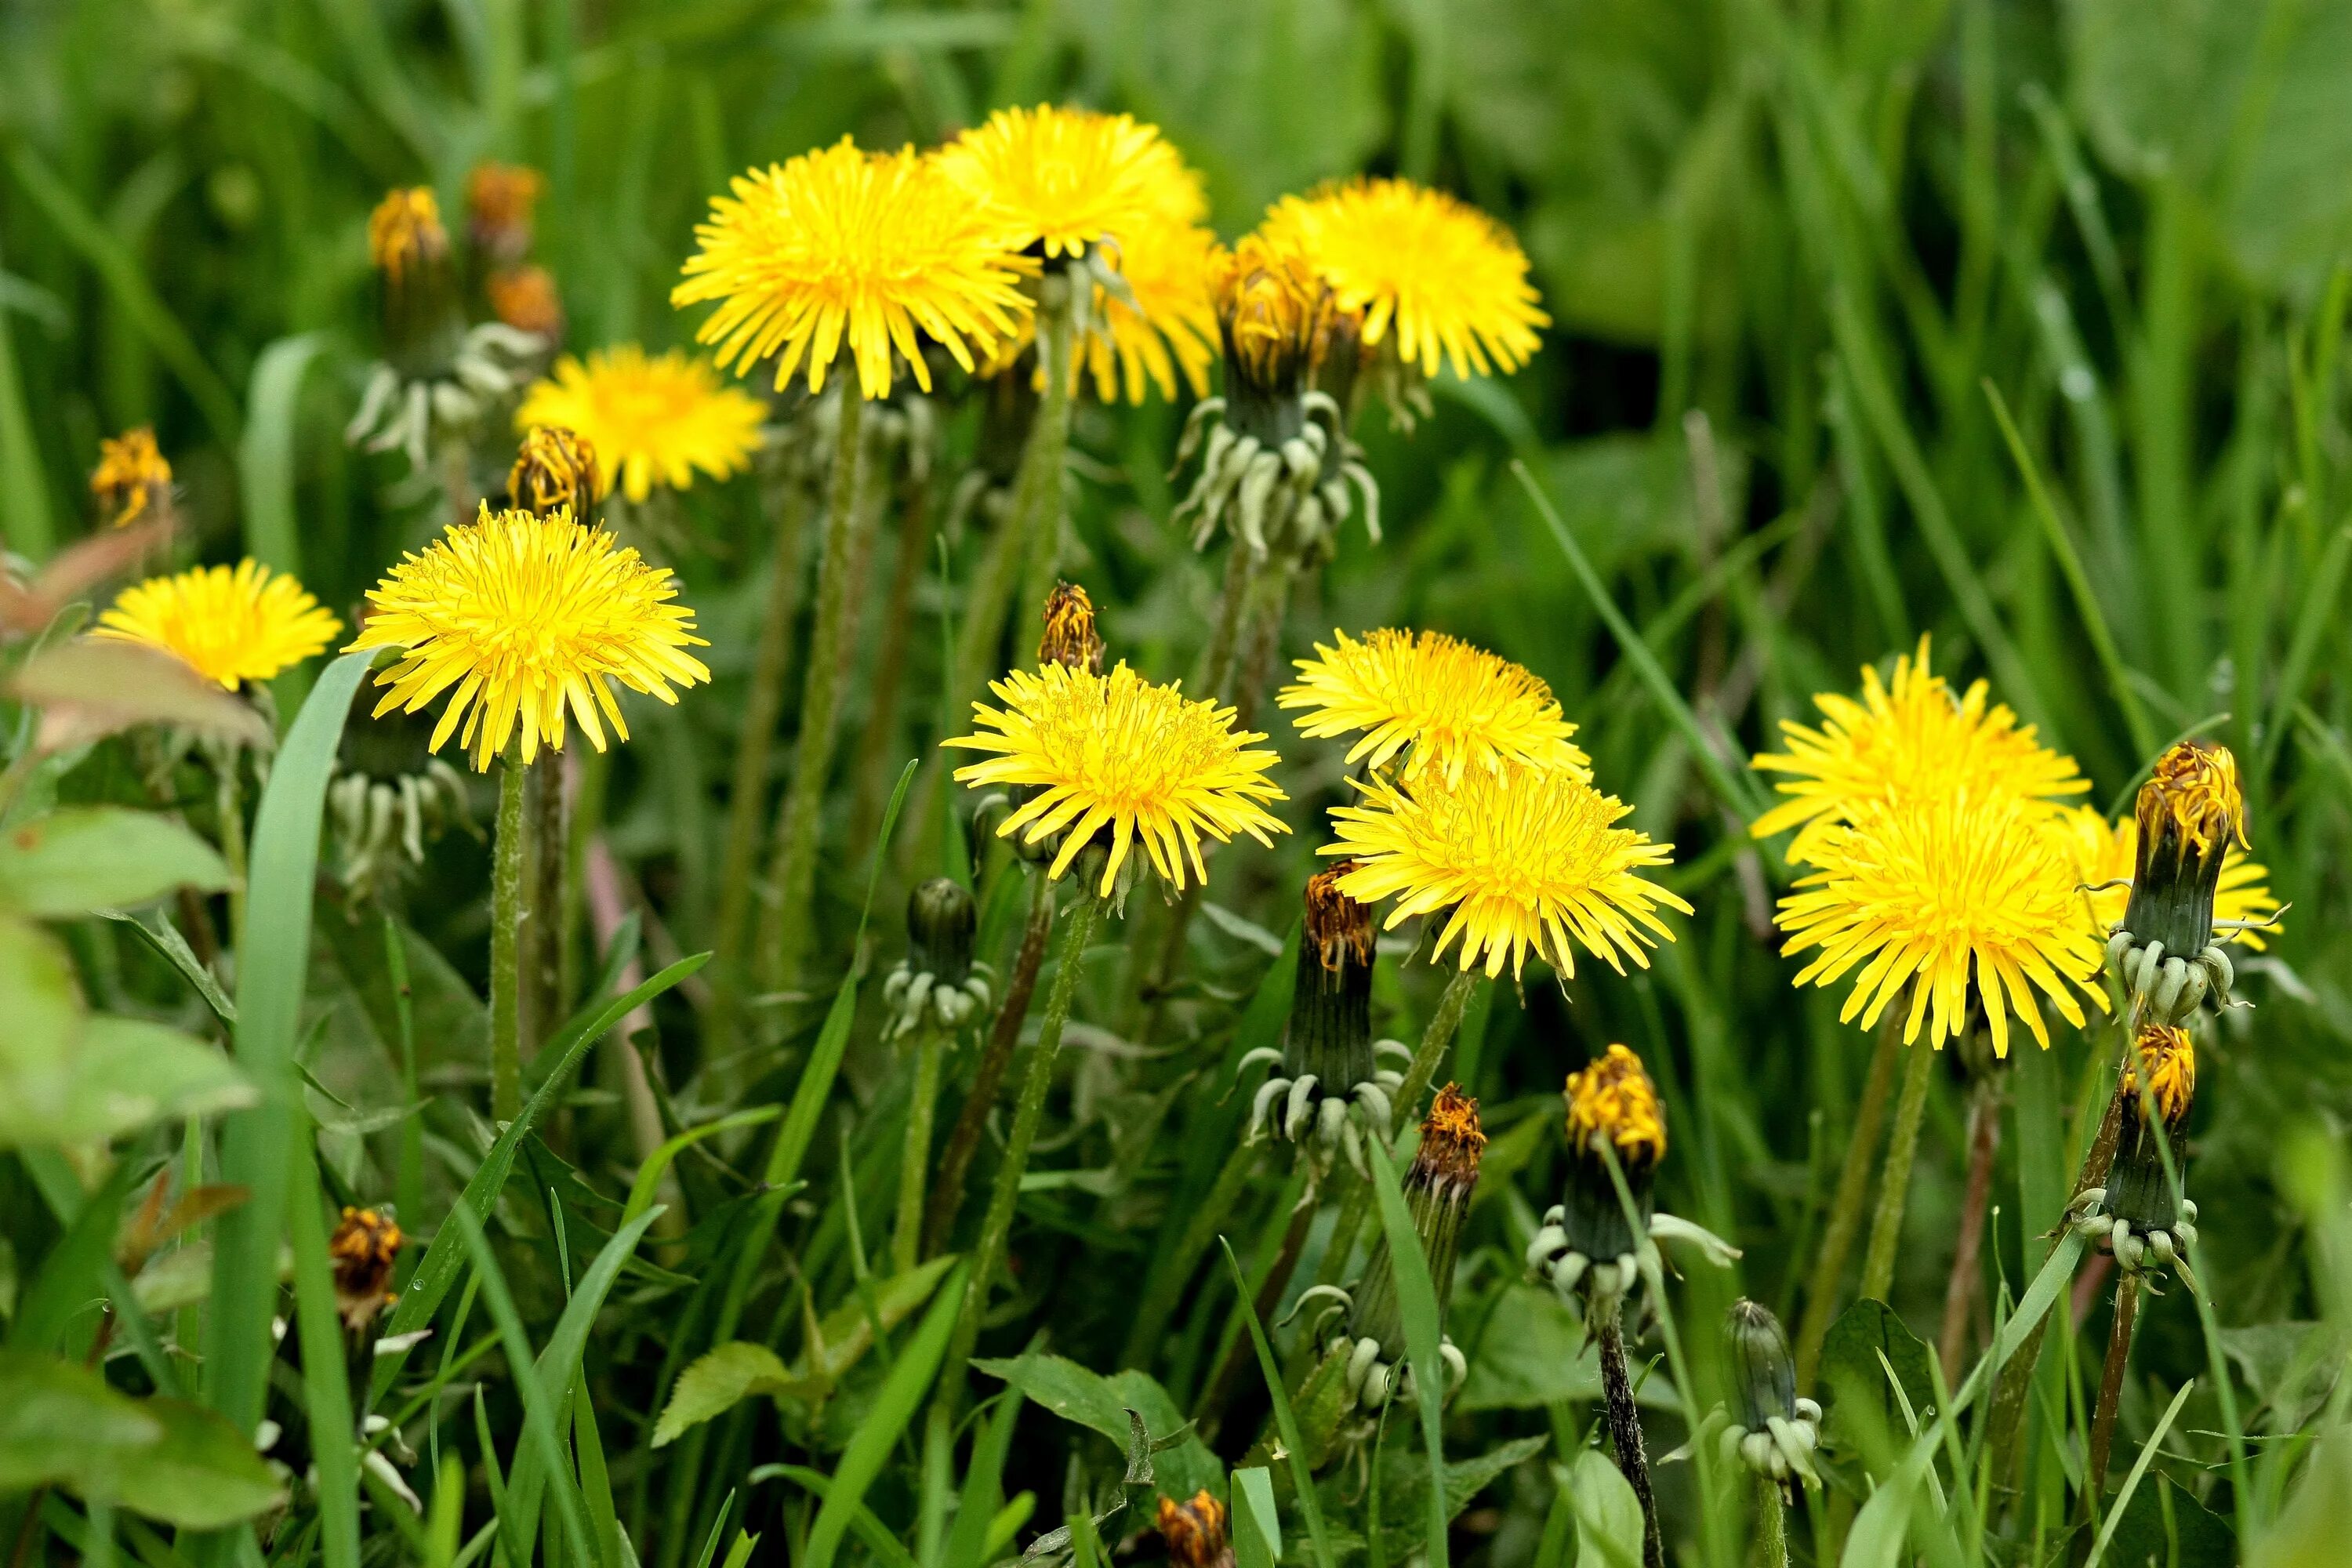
(264, 458)
(269, 985)
(887, 1548)
(983, 1486)
(24, 491)
(2318, 617)
(2139, 1469)
(1285, 1420)
(325, 1382)
(539, 1410)
(1417, 1303)
(894, 1407)
(649, 1175)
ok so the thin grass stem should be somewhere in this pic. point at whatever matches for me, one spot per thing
(1821, 1294)
(1895, 1179)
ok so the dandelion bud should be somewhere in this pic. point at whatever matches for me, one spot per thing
(525, 298)
(423, 324)
(1330, 1087)
(501, 199)
(1774, 1431)
(1196, 1532)
(940, 921)
(1437, 1191)
(556, 468)
(1272, 313)
(2137, 1193)
(361, 1250)
(2189, 813)
(1070, 636)
(132, 478)
(1610, 1103)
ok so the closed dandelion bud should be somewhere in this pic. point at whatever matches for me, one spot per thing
(1437, 1191)
(1610, 1104)
(1774, 1431)
(1327, 1087)
(1272, 316)
(1070, 636)
(133, 480)
(940, 921)
(2189, 814)
(361, 1250)
(501, 199)
(2137, 1193)
(1196, 1532)
(525, 297)
(556, 468)
(423, 323)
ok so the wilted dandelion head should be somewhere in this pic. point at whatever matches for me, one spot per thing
(1524, 858)
(651, 418)
(1614, 1101)
(1338, 930)
(2107, 852)
(1195, 1531)
(520, 618)
(233, 624)
(2166, 1056)
(1452, 704)
(1904, 743)
(554, 467)
(1090, 753)
(1451, 1142)
(1060, 180)
(2192, 796)
(1924, 896)
(524, 296)
(131, 476)
(1449, 282)
(843, 246)
(500, 200)
(1070, 636)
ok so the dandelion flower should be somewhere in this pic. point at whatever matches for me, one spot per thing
(1613, 1101)
(650, 418)
(1906, 742)
(233, 624)
(1525, 858)
(524, 616)
(1273, 314)
(1120, 752)
(500, 201)
(1451, 703)
(842, 245)
(131, 476)
(1918, 896)
(524, 296)
(2170, 1059)
(1062, 180)
(405, 234)
(1170, 329)
(1449, 281)
(2107, 852)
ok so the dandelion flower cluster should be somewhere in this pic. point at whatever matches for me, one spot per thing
(1525, 858)
(866, 249)
(519, 617)
(1449, 282)
(233, 624)
(1092, 751)
(650, 418)
(1451, 703)
(1904, 743)
(1919, 897)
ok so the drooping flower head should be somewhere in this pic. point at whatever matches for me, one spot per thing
(517, 618)
(1613, 1101)
(233, 624)
(1062, 180)
(1944, 889)
(866, 249)
(650, 418)
(555, 467)
(1120, 753)
(1452, 704)
(500, 200)
(1525, 858)
(1070, 636)
(2190, 815)
(1905, 741)
(2108, 853)
(1438, 280)
(131, 478)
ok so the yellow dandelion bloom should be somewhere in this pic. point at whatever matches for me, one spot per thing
(1120, 752)
(1454, 704)
(405, 233)
(1063, 179)
(1273, 313)
(1904, 743)
(651, 418)
(1172, 328)
(525, 617)
(1449, 281)
(1615, 1099)
(867, 247)
(2170, 1060)
(2107, 852)
(1921, 895)
(233, 624)
(1525, 858)
(131, 475)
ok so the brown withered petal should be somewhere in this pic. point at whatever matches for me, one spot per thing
(555, 467)
(1196, 1532)
(1070, 636)
(1339, 928)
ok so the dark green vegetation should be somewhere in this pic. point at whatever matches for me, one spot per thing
(2017, 324)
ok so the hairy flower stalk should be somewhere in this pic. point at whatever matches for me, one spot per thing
(934, 989)
(507, 859)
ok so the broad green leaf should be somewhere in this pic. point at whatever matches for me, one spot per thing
(1257, 1524)
(61, 1424)
(1608, 1514)
(1851, 1372)
(2164, 1525)
(122, 1074)
(716, 1381)
(39, 1013)
(1100, 1403)
(1532, 1352)
(78, 858)
(88, 688)
(57, 1417)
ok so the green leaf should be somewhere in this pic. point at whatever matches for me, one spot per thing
(78, 858)
(122, 1074)
(1101, 1404)
(266, 456)
(1417, 1303)
(57, 1416)
(61, 1425)
(88, 688)
(1285, 1420)
(1257, 1524)
(39, 1016)
(1532, 1352)
(158, 933)
(2164, 1525)
(716, 1381)
(1863, 1410)
(1608, 1514)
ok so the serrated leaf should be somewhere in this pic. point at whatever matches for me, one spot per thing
(78, 858)
(1861, 1405)
(716, 1383)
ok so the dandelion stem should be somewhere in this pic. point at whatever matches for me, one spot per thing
(1821, 1294)
(996, 1229)
(1269, 607)
(506, 945)
(828, 659)
(1224, 632)
(907, 1236)
(228, 805)
(1037, 510)
(748, 792)
(988, 1076)
(1895, 1179)
(1963, 1290)
(2110, 1388)
(1771, 1522)
(1625, 1425)
(879, 747)
(542, 970)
